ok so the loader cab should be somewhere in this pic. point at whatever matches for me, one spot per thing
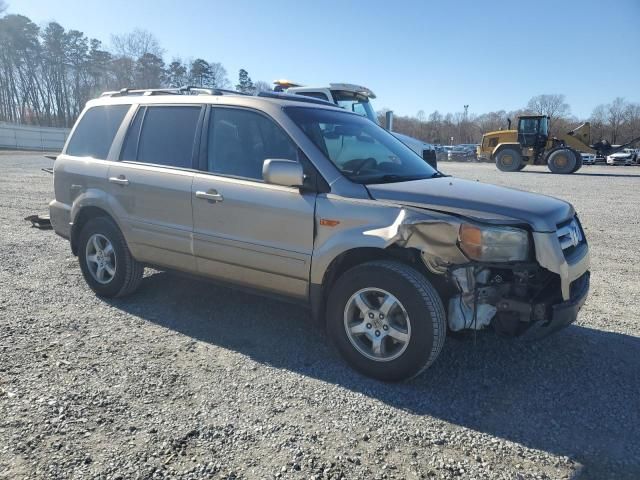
(533, 131)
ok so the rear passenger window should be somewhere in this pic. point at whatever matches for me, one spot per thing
(95, 132)
(167, 136)
(240, 141)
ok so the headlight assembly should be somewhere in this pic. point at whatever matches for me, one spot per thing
(493, 244)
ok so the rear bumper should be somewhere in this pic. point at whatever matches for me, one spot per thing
(60, 215)
(562, 314)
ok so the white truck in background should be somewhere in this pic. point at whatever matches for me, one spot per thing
(357, 99)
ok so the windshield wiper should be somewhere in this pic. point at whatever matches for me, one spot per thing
(391, 178)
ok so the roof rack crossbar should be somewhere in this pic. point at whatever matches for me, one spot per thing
(184, 90)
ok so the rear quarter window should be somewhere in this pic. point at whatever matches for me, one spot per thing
(96, 130)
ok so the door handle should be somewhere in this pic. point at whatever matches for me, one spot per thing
(211, 195)
(121, 180)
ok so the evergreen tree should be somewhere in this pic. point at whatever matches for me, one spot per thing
(200, 74)
(245, 85)
(176, 73)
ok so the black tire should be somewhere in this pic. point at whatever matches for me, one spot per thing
(509, 160)
(521, 167)
(579, 161)
(562, 160)
(128, 272)
(423, 307)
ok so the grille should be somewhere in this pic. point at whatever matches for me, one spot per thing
(570, 236)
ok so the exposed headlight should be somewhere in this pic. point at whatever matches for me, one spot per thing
(493, 244)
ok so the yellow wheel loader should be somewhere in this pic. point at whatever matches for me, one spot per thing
(531, 144)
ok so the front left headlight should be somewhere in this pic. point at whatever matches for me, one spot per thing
(493, 244)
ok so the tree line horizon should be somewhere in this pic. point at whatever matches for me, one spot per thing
(48, 73)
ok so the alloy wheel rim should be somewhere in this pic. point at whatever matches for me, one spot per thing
(101, 258)
(377, 324)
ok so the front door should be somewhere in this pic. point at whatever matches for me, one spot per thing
(247, 231)
(151, 184)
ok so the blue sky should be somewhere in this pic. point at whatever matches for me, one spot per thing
(415, 55)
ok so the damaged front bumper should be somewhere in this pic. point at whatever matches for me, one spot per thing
(531, 300)
(564, 313)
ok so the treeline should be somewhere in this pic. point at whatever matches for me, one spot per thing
(617, 122)
(47, 73)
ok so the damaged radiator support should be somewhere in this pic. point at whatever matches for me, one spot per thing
(486, 296)
(469, 309)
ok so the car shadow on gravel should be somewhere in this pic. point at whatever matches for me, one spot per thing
(575, 393)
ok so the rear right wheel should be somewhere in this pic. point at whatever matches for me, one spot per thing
(105, 260)
(509, 160)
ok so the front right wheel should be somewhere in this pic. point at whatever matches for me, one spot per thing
(386, 319)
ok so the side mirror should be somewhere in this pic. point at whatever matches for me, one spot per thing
(282, 172)
(389, 120)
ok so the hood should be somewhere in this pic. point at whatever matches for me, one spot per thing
(481, 201)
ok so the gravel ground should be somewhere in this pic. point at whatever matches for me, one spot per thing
(189, 380)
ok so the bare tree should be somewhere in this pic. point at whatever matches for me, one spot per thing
(3, 6)
(631, 127)
(135, 44)
(598, 121)
(262, 86)
(551, 105)
(219, 75)
(615, 117)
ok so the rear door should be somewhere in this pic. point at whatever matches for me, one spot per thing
(247, 231)
(151, 184)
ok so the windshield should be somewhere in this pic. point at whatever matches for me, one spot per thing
(355, 102)
(363, 151)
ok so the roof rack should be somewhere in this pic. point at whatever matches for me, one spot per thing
(295, 98)
(185, 90)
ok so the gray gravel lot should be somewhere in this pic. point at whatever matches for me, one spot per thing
(189, 380)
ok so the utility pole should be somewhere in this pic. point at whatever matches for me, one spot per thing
(464, 124)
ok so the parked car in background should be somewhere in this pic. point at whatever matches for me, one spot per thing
(588, 158)
(442, 153)
(600, 158)
(463, 153)
(626, 157)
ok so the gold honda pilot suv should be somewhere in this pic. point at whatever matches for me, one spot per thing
(296, 197)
